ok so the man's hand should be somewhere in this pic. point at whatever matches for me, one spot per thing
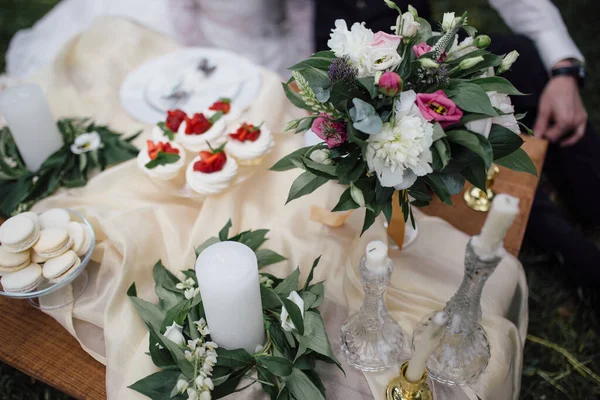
(561, 111)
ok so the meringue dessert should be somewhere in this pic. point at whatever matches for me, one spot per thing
(167, 130)
(199, 132)
(161, 160)
(211, 172)
(249, 143)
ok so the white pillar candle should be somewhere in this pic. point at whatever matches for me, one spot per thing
(229, 284)
(502, 214)
(31, 123)
(429, 340)
(377, 257)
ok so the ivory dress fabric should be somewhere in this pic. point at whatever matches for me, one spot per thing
(136, 224)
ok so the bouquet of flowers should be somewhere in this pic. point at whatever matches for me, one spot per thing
(412, 110)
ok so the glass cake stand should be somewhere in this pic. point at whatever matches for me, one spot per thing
(78, 278)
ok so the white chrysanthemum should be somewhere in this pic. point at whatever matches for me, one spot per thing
(352, 43)
(401, 153)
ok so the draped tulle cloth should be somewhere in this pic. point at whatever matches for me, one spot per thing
(136, 224)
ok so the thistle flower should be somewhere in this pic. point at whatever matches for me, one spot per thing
(310, 98)
(430, 77)
(341, 69)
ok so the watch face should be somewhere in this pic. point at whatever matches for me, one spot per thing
(581, 72)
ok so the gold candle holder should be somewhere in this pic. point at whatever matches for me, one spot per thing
(401, 389)
(479, 200)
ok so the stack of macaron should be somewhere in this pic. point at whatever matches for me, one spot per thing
(37, 247)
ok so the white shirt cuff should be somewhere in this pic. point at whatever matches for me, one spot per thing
(556, 46)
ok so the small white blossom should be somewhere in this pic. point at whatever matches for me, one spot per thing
(266, 281)
(199, 381)
(508, 61)
(192, 344)
(202, 327)
(11, 162)
(205, 395)
(357, 195)
(192, 394)
(286, 320)
(174, 334)
(208, 383)
(191, 293)
(321, 156)
(86, 142)
(211, 346)
(449, 21)
(181, 385)
(188, 355)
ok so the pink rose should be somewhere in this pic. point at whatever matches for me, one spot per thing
(438, 107)
(390, 83)
(386, 40)
(331, 131)
(424, 48)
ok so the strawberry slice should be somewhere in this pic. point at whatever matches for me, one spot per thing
(197, 125)
(246, 132)
(167, 148)
(210, 162)
(221, 105)
(174, 119)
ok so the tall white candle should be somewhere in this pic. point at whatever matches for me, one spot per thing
(228, 279)
(504, 210)
(31, 123)
(377, 257)
(430, 338)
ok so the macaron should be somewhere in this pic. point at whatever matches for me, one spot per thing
(55, 218)
(12, 262)
(23, 281)
(32, 216)
(19, 233)
(82, 237)
(58, 268)
(36, 258)
(53, 242)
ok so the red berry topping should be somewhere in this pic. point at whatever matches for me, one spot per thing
(174, 119)
(155, 148)
(197, 125)
(210, 162)
(246, 132)
(221, 105)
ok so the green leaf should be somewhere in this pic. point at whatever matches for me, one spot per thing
(161, 357)
(351, 168)
(252, 239)
(224, 232)
(370, 217)
(346, 202)
(148, 312)
(503, 141)
(471, 98)
(518, 161)
(177, 313)
(497, 84)
(438, 185)
(301, 387)
(232, 384)
(474, 142)
(342, 94)
(184, 365)
(305, 184)
(292, 160)
(278, 366)
(320, 60)
(441, 155)
(476, 174)
(289, 284)
(237, 358)
(215, 117)
(164, 285)
(438, 132)
(269, 298)
(166, 131)
(312, 272)
(209, 242)
(368, 82)
(295, 314)
(317, 336)
(267, 381)
(277, 335)
(267, 257)
(158, 385)
(309, 299)
(324, 170)
(294, 97)
(162, 158)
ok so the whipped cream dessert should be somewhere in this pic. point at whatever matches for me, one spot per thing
(208, 183)
(196, 142)
(161, 172)
(249, 143)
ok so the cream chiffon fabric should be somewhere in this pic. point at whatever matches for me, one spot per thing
(136, 224)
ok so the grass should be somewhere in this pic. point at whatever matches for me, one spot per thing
(563, 356)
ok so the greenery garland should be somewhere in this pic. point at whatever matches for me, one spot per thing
(20, 189)
(193, 367)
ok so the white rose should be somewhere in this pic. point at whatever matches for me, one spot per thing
(320, 156)
(173, 333)
(410, 27)
(502, 102)
(351, 43)
(286, 320)
(401, 153)
(86, 142)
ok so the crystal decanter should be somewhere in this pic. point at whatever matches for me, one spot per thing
(370, 339)
(464, 349)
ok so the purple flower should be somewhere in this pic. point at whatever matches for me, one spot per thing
(331, 131)
(341, 69)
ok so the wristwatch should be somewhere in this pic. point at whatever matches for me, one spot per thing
(576, 71)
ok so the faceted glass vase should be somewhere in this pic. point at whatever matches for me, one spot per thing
(464, 349)
(371, 339)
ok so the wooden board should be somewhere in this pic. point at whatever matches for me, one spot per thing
(516, 184)
(34, 343)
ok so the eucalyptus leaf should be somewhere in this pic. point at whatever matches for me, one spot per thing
(365, 118)
(322, 94)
